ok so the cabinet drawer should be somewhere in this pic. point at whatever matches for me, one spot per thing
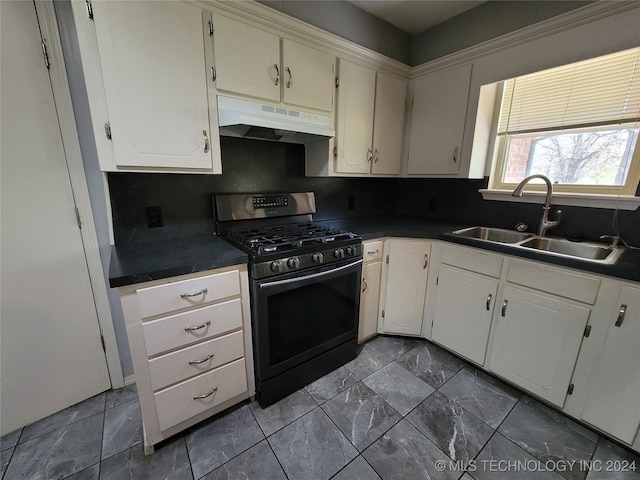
(563, 283)
(473, 260)
(175, 366)
(176, 404)
(372, 251)
(169, 332)
(187, 293)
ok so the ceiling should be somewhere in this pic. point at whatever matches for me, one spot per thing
(415, 16)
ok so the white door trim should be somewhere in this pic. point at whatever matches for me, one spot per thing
(71, 144)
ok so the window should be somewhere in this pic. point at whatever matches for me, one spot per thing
(577, 124)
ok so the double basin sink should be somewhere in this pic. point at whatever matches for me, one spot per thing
(590, 251)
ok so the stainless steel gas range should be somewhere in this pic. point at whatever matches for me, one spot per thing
(305, 288)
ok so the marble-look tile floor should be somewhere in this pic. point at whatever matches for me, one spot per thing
(404, 409)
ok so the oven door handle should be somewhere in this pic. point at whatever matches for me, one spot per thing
(308, 277)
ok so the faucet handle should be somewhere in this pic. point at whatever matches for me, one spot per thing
(613, 239)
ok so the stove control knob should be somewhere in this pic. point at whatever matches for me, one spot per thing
(293, 262)
(338, 253)
(276, 267)
(317, 258)
(351, 250)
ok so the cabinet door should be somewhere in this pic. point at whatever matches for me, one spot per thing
(153, 64)
(247, 59)
(614, 398)
(437, 122)
(388, 124)
(463, 311)
(537, 340)
(308, 76)
(406, 286)
(369, 300)
(354, 129)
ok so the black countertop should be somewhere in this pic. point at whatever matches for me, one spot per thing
(143, 262)
(138, 263)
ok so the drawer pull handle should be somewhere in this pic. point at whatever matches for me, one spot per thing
(199, 327)
(364, 282)
(621, 313)
(375, 252)
(188, 295)
(504, 308)
(198, 362)
(489, 302)
(208, 394)
(426, 260)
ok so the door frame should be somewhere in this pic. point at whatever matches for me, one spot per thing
(71, 144)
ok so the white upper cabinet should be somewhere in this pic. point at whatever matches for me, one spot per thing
(248, 62)
(308, 76)
(152, 58)
(370, 120)
(247, 59)
(437, 122)
(388, 124)
(354, 124)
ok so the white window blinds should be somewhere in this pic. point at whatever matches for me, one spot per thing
(599, 91)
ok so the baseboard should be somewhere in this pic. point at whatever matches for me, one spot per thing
(129, 380)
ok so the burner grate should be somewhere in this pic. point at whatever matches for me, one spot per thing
(284, 238)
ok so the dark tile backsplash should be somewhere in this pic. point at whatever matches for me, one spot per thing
(259, 166)
(248, 166)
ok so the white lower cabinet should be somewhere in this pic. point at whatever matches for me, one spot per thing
(370, 294)
(537, 340)
(407, 263)
(190, 341)
(613, 403)
(565, 336)
(463, 310)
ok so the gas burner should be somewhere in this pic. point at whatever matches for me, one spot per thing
(281, 237)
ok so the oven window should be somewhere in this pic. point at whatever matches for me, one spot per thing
(308, 316)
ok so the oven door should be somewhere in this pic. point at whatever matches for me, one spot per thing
(300, 316)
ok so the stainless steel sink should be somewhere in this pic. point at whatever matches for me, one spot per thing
(582, 250)
(590, 251)
(489, 234)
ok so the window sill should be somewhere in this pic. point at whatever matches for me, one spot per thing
(620, 202)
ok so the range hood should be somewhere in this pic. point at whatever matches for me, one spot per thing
(247, 119)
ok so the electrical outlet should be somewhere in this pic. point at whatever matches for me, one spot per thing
(154, 217)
